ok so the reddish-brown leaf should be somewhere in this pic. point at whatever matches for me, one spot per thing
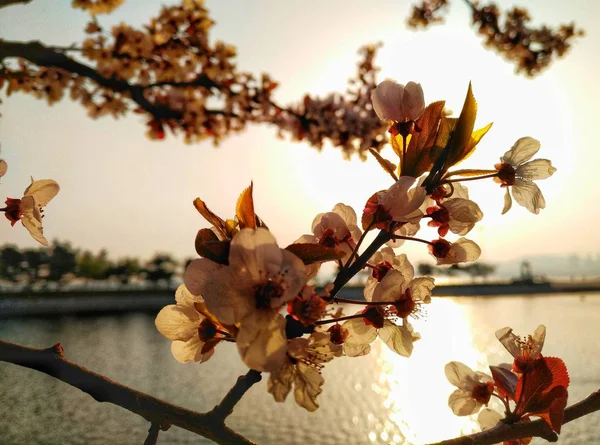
(505, 380)
(420, 148)
(244, 209)
(209, 246)
(370, 211)
(543, 391)
(314, 253)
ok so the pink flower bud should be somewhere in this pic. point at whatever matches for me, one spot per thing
(395, 102)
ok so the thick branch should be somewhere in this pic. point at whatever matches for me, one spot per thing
(52, 362)
(538, 428)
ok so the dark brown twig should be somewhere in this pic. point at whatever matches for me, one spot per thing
(243, 384)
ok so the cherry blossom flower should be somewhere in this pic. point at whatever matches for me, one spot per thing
(308, 306)
(250, 291)
(3, 167)
(474, 389)
(524, 349)
(194, 331)
(337, 228)
(398, 103)
(516, 174)
(456, 214)
(302, 370)
(28, 209)
(399, 203)
(383, 261)
(461, 251)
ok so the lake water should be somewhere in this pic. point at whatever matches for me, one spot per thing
(380, 399)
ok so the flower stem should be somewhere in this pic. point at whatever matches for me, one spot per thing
(361, 239)
(410, 238)
(335, 320)
(474, 178)
(363, 302)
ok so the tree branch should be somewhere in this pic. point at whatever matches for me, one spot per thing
(52, 362)
(538, 428)
(152, 437)
(243, 384)
(4, 3)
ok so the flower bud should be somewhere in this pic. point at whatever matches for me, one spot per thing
(396, 102)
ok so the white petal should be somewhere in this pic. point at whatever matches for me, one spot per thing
(307, 386)
(536, 169)
(461, 251)
(261, 340)
(280, 381)
(42, 191)
(488, 418)
(507, 202)
(413, 101)
(398, 338)
(461, 376)
(346, 212)
(294, 277)
(464, 213)
(190, 351)
(523, 150)
(33, 223)
(403, 265)
(184, 297)
(255, 251)
(178, 322)
(462, 404)
(387, 101)
(229, 295)
(539, 336)
(197, 274)
(421, 287)
(509, 340)
(529, 195)
(359, 333)
(391, 287)
(356, 350)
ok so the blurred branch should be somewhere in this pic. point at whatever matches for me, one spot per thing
(152, 434)
(4, 3)
(539, 428)
(243, 384)
(52, 362)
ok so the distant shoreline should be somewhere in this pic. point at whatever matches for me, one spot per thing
(98, 302)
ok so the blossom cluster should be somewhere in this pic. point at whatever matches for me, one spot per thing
(29, 208)
(532, 385)
(244, 282)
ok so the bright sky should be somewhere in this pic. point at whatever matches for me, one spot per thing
(133, 196)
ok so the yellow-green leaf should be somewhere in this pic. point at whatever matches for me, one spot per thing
(388, 166)
(244, 209)
(462, 132)
(470, 147)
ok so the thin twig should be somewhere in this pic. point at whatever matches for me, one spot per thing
(4, 3)
(244, 382)
(539, 428)
(152, 438)
(52, 362)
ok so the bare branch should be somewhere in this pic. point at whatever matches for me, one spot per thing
(4, 3)
(52, 362)
(243, 384)
(539, 428)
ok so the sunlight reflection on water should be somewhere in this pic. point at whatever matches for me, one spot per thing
(380, 399)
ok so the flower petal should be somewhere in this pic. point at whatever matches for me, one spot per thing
(488, 418)
(387, 101)
(42, 191)
(523, 150)
(184, 297)
(398, 338)
(307, 386)
(462, 404)
(536, 169)
(190, 351)
(529, 195)
(197, 274)
(391, 287)
(178, 322)
(255, 251)
(421, 287)
(460, 375)
(261, 340)
(507, 202)
(280, 381)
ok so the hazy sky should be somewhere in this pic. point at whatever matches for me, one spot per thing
(134, 196)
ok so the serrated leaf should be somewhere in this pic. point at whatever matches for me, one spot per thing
(209, 216)
(505, 381)
(314, 253)
(387, 166)
(469, 148)
(244, 209)
(210, 247)
(464, 128)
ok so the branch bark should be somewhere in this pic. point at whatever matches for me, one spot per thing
(537, 428)
(52, 362)
(4, 3)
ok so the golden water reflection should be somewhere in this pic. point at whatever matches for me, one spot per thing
(416, 389)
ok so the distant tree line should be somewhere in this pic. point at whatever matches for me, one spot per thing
(62, 264)
(474, 270)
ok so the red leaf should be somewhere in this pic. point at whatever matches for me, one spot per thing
(313, 253)
(542, 391)
(505, 380)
